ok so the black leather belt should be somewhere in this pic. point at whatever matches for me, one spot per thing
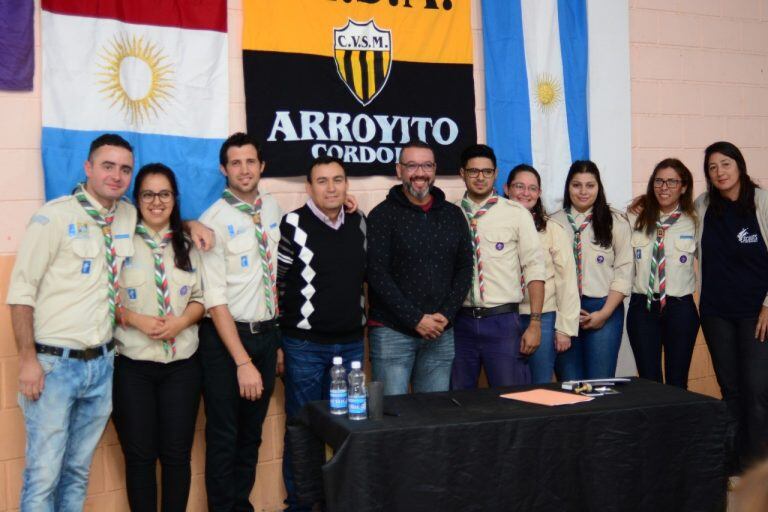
(84, 354)
(257, 327)
(657, 297)
(485, 312)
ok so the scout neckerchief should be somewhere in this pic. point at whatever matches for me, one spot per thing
(161, 279)
(473, 218)
(658, 261)
(106, 229)
(267, 270)
(577, 231)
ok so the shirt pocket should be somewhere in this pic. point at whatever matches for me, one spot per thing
(86, 251)
(684, 248)
(600, 256)
(497, 243)
(641, 245)
(183, 282)
(123, 247)
(240, 253)
(131, 283)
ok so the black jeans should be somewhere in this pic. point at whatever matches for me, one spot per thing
(675, 329)
(233, 424)
(741, 367)
(155, 408)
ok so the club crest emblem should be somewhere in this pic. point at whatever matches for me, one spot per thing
(499, 246)
(363, 54)
(600, 259)
(683, 258)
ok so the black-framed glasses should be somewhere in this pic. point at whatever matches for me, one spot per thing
(520, 187)
(425, 166)
(147, 196)
(474, 172)
(671, 183)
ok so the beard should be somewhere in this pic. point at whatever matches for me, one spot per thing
(418, 194)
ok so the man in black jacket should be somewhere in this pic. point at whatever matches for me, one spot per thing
(419, 271)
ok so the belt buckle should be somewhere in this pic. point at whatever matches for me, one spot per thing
(477, 312)
(91, 353)
(255, 327)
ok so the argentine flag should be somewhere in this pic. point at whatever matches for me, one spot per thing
(154, 72)
(557, 90)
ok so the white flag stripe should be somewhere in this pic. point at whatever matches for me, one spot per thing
(549, 125)
(610, 139)
(189, 102)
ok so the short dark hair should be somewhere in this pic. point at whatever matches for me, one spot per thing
(477, 151)
(324, 160)
(238, 140)
(109, 139)
(415, 143)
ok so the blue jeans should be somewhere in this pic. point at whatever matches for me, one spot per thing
(308, 378)
(542, 362)
(398, 359)
(63, 428)
(594, 352)
(494, 342)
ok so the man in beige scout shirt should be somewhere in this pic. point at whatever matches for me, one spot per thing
(239, 339)
(62, 297)
(505, 243)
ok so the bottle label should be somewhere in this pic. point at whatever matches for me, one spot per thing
(338, 399)
(357, 404)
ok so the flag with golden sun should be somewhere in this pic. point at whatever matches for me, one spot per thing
(557, 89)
(153, 72)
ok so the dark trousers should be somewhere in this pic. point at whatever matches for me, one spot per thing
(741, 367)
(233, 424)
(674, 329)
(154, 410)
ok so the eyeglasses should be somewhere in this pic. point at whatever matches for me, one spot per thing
(147, 196)
(671, 183)
(413, 166)
(520, 187)
(474, 172)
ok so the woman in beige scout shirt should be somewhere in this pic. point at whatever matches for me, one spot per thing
(560, 314)
(661, 311)
(157, 377)
(600, 241)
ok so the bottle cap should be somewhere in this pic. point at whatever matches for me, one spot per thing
(355, 365)
(337, 360)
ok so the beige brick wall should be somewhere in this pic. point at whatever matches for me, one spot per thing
(698, 70)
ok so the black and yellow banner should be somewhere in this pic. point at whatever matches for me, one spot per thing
(358, 79)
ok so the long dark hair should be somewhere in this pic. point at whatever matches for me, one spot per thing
(648, 205)
(746, 200)
(181, 245)
(602, 220)
(538, 211)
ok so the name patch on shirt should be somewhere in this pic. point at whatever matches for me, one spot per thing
(639, 254)
(600, 259)
(131, 293)
(244, 261)
(184, 290)
(686, 237)
(86, 268)
(273, 225)
(121, 235)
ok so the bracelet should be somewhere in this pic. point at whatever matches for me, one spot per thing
(535, 317)
(243, 363)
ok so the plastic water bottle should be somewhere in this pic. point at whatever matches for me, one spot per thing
(338, 387)
(357, 396)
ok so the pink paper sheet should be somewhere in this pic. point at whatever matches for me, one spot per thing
(547, 397)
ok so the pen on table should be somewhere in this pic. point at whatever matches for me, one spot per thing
(456, 402)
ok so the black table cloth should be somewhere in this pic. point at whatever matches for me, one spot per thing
(650, 448)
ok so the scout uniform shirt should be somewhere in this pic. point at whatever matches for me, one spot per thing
(604, 269)
(61, 271)
(138, 292)
(561, 290)
(232, 269)
(508, 244)
(679, 249)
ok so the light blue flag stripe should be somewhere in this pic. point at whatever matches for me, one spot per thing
(194, 161)
(572, 16)
(508, 116)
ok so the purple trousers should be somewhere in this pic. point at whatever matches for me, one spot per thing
(493, 343)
